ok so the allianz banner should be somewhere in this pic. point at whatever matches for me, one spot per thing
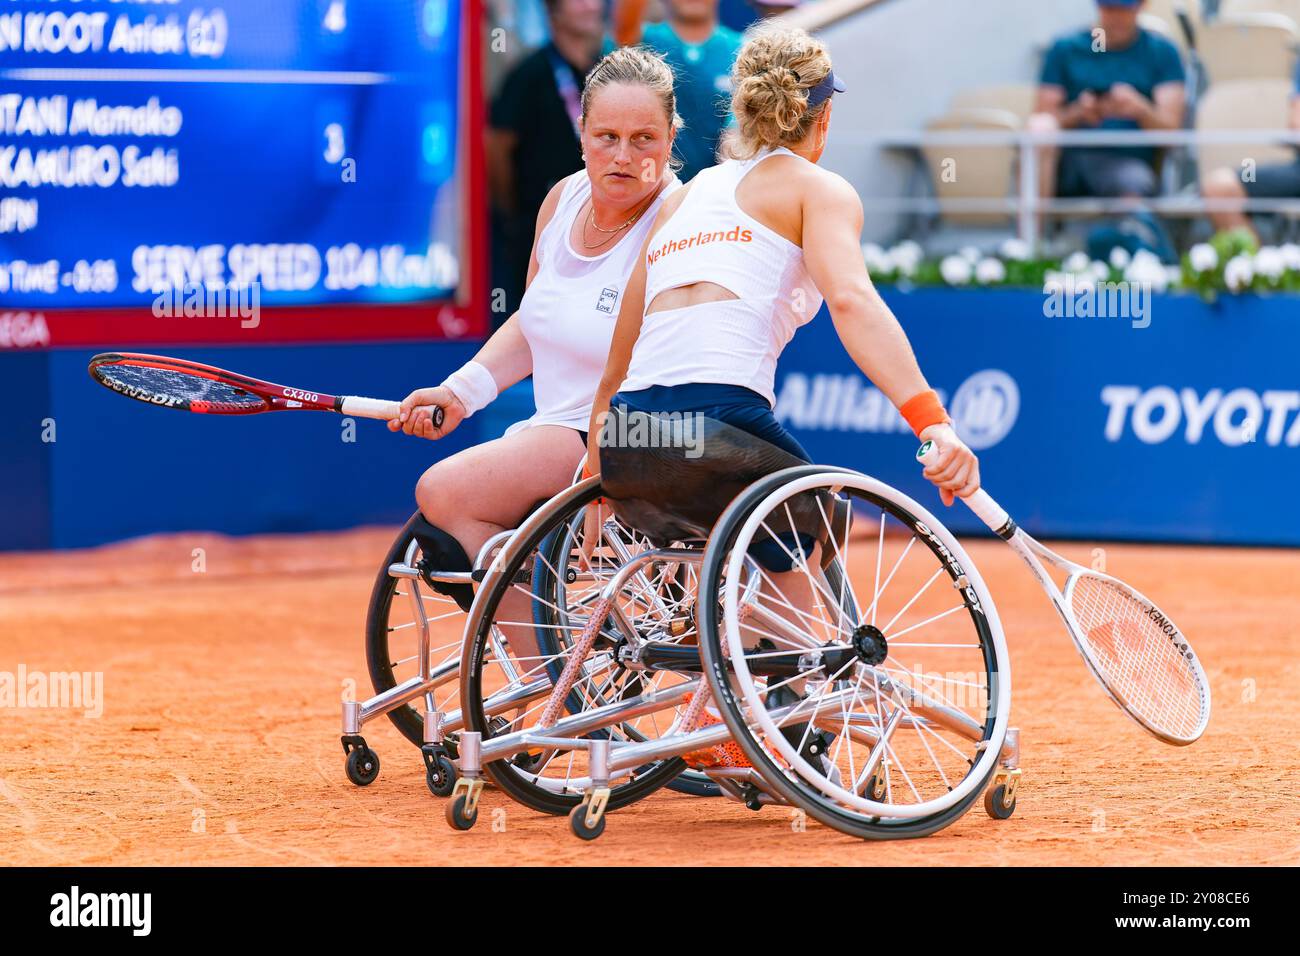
(1183, 425)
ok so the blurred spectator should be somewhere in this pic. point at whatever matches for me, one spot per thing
(532, 136)
(1116, 77)
(700, 51)
(773, 8)
(1277, 181)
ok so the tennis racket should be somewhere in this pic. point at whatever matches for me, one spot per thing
(1138, 655)
(191, 387)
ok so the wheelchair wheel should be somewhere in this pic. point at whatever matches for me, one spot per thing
(392, 636)
(535, 602)
(876, 700)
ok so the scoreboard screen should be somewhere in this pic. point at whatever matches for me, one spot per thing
(303, 151)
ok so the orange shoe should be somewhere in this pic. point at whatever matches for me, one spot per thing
(726, 754)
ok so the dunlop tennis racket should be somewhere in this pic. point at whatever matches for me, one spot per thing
(191, 387)
(1138, 655)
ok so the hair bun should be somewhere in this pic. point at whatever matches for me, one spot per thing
(769, 99)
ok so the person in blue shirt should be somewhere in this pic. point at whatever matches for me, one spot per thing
(701, 52)
(1274, 181)
(1117, 76)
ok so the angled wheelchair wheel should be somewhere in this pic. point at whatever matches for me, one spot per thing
(533, 607)
(393, 634)
(864, 674)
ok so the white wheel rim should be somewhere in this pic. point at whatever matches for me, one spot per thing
(758, 712)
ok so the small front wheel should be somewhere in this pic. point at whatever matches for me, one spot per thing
(996, 803)
(578, 823)
(362, 766)
(458, 816)
(441, 776)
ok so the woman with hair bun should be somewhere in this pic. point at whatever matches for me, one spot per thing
(745, 253)
(734, 263)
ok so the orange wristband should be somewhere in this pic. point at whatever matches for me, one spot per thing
(923, 410)
(586, 473)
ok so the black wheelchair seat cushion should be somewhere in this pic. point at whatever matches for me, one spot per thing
(670, 475)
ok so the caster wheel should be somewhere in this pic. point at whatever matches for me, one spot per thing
(995, 803)
(875, 789)
(362, 766)
(578, 823)
(441, 776)
(457, 816)
(752, 800)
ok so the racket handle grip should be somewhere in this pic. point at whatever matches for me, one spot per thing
(985, 508)
(379, 408)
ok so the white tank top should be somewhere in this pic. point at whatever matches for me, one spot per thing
(569, 309)
(709, 238)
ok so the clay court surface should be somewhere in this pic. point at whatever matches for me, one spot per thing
(218, 742)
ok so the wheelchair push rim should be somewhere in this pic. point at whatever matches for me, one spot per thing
(742, 699)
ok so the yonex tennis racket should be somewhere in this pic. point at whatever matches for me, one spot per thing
(1138, 655)
(192, 387)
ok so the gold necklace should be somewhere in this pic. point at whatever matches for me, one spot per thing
(591, 218)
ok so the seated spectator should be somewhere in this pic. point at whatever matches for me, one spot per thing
(532, 136)
(1117, 77)
(700, 51)
(1277, 181)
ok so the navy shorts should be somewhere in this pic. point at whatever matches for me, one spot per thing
(734, 405)
(738, 407)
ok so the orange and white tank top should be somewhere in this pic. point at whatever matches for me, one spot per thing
(709, 238)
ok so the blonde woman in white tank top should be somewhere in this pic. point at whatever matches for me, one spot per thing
(590, 230)
(741, 257)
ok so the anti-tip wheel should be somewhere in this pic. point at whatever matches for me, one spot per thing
(876, 788)
(441, 776)
(456, 814)
(362, 766)
(995, 802)
(578, 823)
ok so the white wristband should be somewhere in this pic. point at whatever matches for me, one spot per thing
(474, 385)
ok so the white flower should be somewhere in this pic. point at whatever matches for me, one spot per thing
(1147, 272)
(1053, 283)
(1291, 255)
(955, 270)
(989, 271)
(905, 257)
(971, 254)
(875, 257)
(1016, 250)
(1120, 258)
(1269, 262)
(909, 250)
(1147, 259)
(1173, 277)
(1076, 262)
(1238, 272)
(1099, 270)
(1202, 257)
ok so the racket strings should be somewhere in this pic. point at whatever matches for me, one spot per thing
(1139, 659)
(181, 385)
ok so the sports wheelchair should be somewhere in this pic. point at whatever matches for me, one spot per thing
(413, 652)
(800, 635)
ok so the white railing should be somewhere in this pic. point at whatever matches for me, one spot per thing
(1026, 205)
